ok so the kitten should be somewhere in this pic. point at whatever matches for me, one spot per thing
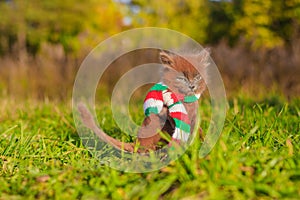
(181, 75)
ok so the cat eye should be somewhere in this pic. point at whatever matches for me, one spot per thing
(182, 79)
(198, 78)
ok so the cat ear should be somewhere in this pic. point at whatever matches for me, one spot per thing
(166, 58)
(203, 57)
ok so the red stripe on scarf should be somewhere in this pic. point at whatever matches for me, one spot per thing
(177, 97)
(154, 95)
(181, 116)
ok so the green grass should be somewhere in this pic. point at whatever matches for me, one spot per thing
(257, 157)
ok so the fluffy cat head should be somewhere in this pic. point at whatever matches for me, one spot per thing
(186, 73)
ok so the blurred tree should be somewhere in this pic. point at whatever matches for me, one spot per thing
(189, 17)
(25, 25)
(221, 19)
(286, 19)
(253, 20)
(264, 24)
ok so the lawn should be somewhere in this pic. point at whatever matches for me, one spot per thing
(257, 156)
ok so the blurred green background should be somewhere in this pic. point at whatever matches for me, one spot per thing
(255, 44)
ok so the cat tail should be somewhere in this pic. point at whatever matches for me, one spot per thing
(89, 122)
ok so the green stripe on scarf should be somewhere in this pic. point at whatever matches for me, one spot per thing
(150, 110)
(158, 87)
(182, 125)
(190, 99)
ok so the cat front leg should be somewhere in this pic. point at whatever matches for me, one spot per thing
(201, 134)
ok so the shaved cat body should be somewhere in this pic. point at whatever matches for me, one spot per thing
(184, 75)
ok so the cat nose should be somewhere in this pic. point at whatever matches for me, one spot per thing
(192, 87)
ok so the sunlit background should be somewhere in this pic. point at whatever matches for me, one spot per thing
(255, 44)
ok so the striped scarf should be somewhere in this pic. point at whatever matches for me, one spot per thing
(160, 95)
